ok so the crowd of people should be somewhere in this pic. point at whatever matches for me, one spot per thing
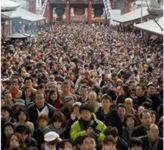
(81, 87)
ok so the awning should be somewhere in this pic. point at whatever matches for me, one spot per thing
(7, 5)
(9, 15)
(151, 26)
(19, 35)
(131, 16)
(23, 14)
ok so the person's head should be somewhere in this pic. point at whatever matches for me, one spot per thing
(109, 143)
(153, 132)
(6, 111)
(22, 115)
(58, 120)
(121, 111)
(145, 118)
(53, 95)
(15, 141)
(92, 96)
(8, 129)
(151, 90)
(154, 116)
(140, 109)
(106, 101)
(43, 121)
(51, 86)
(51, 78)
(51, 139)
(128, 103)
(86, 112)
(140, 90)
(111, 131)
(40, 99)
(76, 107)
(83, 91)
(135, 144)
(145, 67)
(68, 102)
(28, 82)
(89, 142)
(130, 121)
(66, 87)
(8, 97)
(24, 130)
(27, 92)
(66, 145)
(14, 84)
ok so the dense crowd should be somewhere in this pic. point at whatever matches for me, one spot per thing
(81, 87)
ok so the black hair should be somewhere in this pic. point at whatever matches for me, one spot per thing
(23, 129)
(86, 107)
(112, 94)
(6, 108)
(22, 110)
(62, 143)
(111, 131)
(135, 142)
(144, 111)
(105, 96)
(28, 78)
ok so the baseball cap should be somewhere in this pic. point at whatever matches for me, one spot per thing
(51, 136)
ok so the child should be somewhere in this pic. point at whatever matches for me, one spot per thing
(58, 123)
(42, 129)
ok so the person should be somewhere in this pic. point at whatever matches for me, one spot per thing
(130, 123)
(29, 91)
(8, 100)
(121, 111)
(75, 115)
(109, 143)
(54, 99)
(92, 100)
(66, 145)
(88, 143)
(153, 95)
(120, 143)
(135, 144)
(128, 103)
(67, 107)
(39, 107)
(83, 94)
(15, 89)
(15, 142)
(107, 114)
(141, 97)
(142, 129)
(43, 128)
(26, 133)
(7, 115)
(51, 140)
(22, 118)
(66, 90)
(6, 131)
(88, 123)
(58, 122)
(152, 139)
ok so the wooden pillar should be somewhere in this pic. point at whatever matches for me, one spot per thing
(48, 14)
(127, 7)
(89, 12)
(68, 12)
(32, 6)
